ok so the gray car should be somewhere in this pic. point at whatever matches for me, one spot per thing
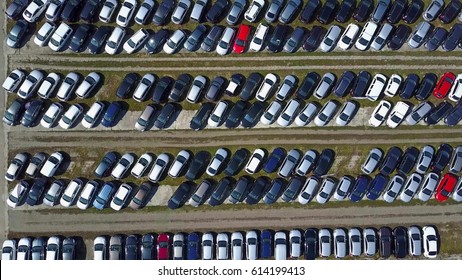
(419, 113)
(53, 194)
(420, 34)
(69, 248)
(326, 113)
(430, 182)
(198, 10)
(196, 89)
(380, 11)
(330, 39)
(433, 10)
(146, 118)
(289, 163)
(425, 159)
(372, 161)
(38, 249)
(289, 11)
(382, 37)
(347, 113)
(287, 86)
(201, 193)
(116, 248)
(455, 165)
(273, 10)
(17, 33)
(307, 114)
(212, 38)
(325, 86)
(235, 12)
(294, 41)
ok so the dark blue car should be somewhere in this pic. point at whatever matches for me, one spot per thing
(275, 190)
(274, 160)
(104, 195)
(376, 187)
(193, 248)
(110, 116)
(36, 191)
(391, 161)
(266, 244)
(359, 189)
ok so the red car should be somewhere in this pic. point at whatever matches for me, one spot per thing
(241, 39)
(444, 85)
(163, 246)
(445, 187)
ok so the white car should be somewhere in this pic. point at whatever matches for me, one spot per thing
(178, 246)
(326, 190)
(309, 190)
(289, 113)
(53, 251)
(393, 188)
(410, 188)
(280, 246)
(180, 11)
(267, 87)
(44, 34)
(331, 38)
(430, 182)
(71, 116)
(60, 37)
(48, 85)
(217, 114)
(259, 37)
(430, 242)
(143, 87)
(348, 37)
(254, 9)
(174, 42)
(376, 87)
(370, 242)
(347, 113)
(255, 161)
(251, 245)
(70, 193)
(93, 114)
(307, 163)
(30, 84)
(366, 36)
(99, 248)
(237, 246)
(24, 249)
(354, 236)
(222, 246)
(343, 188)
(217, 162)
(18, 194)
(207, 246)
(197, 87)
(325, 243)
(54, 9)
(141, 165)
(88, 85)
(179, 163)
(114, 40)
(456, 90)
(68, 86)
(14, 80)
(107, 10)
(16, 166)
(380, 113)
(52, 164)
(393, 85)
(398, 113)
(326, 113)
(9, 250)
(158, 167)
(86, 197)
(34, 10)
(226, 41)
(271, 113)
(143, 13)
(126, 13)
(340, 243)
(53, 194)
(307, 114)
(121, 196)
(136, 41)
(125, 162)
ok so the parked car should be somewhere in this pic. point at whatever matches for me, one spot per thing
(438, 113)
(363, 10)
(158, 167)
(410, 187)
(445, 187)
(215, 13)
(327, 11)
(122, 166)
(107, 10)
(329, 42)
(175, 41)
(367, 34)
(121, 196)
(104, 195)
(398, 114)
(394, 188)
(99, 38)
(136, 41)
(436, 38)
(69, 196)
(349, 36)
(326, 113)
(391, 161)
(60, 37)
(400, 36)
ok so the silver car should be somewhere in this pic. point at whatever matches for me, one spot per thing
(273, 10)
(455, 165)
(142, 90)
(289, 112)
(343, 188)
(180, 11)
(307, 163)
(411, 187)
(289, 163)
(372, 161)
(196, 89)
(237, 246)
(325, 86)
(382, 37)
(326, 113)
(354, 236)
(425, 159)
(271, 113)
(251, 243)
(347, 113)
(394, 188)
(235, 12)
(309, 190)
(116, 248)
(430, 182)
(421, 32)
(146, 118)
(144, 11)
(370, 242)
(433, 10)
(179, 163)
(295, 243)
(419, 113)
(325, 191)
(198, 10)
(307, 114)
(415, 241)
(340, 243)
(38, 249)
(330, 39)
(286, 87)
(54, 193)
(325, 239)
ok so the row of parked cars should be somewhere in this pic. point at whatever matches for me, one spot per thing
(39, 248)
(39, 165)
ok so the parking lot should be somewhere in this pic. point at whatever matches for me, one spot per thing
(84, 148)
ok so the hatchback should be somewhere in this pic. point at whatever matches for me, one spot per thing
(314, 39)
(274, 160)
(70, 193)
(410, 187)
(293, 188)
(277, 38)
(136, 41)
(295, 40)
(433, 10)
(340, 243)
(325, 240)
(361, 84)
(274, 191)
(430, 242)
(445, 187)
(372, 161)
(380, 11)
(325, 86)
(289, 163)
(344, 84)
(385, 241)
(400, 36)
(221, 191)
(311, 243)
(17, 34)
(366, 35)
(331, 38)
(408, 161)
(419, 36)
(326, 113)
(430, 182)
(289, 113)
(309, 190)
(344, 187)
(141, 195)
(347, 113)
(240, 190)
(326, 190)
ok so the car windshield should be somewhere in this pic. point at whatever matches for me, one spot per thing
(13, 198)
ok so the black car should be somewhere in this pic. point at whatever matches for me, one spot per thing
(314, 39)
(194, 40)
(257, 190)
(385, 242)
(426, 86)
(165, 7)
(293, 188)
(216, 11)
(211, 40)
(396, 11)
(453, 38)
(311, 244)
(89, 10)
(127, 86)
(237, 79)
(308, 85)
(221, 191)
(275, 190)
(215, 89)
(81, 34)
(236, 162)
(17, 34)
(70, 10)
(413, 11)
(438, 113)
(180, 87)
(131, 247)
(253, 115)
(454, 116)
(380, 11)
(345, 84)
(361, 84)
(451, 11)
(409, 160)
(106, 164)
(401, 243)
(363, 10)
(99, 39)
(236, 113)
(390, 161)
(33, 109)
(399, 37)
(198, 165)
(345, 10)
(164, 116)
(181, 194)
(240, 190)
(199, 121)
(410, 86)
(308, 12)
(327, 11)
(442, 157)
(251, 85)
(156, 41)
(436, 39)
(324, 162)
(36, 191)
(276, 42)
(15, 9)
(162, 87)
(14, 112)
